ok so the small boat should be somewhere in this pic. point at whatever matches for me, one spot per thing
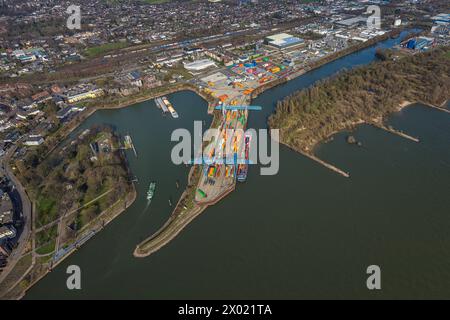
(151, 191)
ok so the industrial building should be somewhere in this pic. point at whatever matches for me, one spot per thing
(419, 43)
(352, 22)
(283, 40)
(442, 18)
(199, 65)
(441, 30)
(75, 95)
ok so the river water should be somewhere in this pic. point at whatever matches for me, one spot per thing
(304, 233)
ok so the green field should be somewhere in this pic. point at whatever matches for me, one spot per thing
(44, 237)
(47, 210)
(47, 248)
(104, 48)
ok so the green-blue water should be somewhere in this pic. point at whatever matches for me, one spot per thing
(304, 233)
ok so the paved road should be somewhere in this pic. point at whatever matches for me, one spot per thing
(26, 213)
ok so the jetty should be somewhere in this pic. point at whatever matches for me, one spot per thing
(129, 144)
(442, 108)
(396, 132)
(324, 163)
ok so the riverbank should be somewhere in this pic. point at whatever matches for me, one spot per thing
(78, 209)
(323, 61)
(37, 272)
(361, 95)
(17, 291)
(378, 123)
(172, 228)
(212, 102)
(95, 106)
(153, 95)
(185, 211)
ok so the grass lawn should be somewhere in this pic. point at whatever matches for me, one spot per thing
(47, 210)
(46, 236)
(93, 52)
(47, 248)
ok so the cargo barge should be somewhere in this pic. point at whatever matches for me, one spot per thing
(169, 107)
(160, 104)
(242, 170)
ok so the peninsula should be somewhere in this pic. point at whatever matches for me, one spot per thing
(363, 95)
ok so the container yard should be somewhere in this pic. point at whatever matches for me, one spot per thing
(226, 154)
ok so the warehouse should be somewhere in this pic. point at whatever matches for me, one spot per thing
(442, 18)
(283, 40)
(419, 43)
(199, 65)
(352, 22)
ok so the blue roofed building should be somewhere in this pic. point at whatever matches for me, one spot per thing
(442, 18)
(134, 75)
(135, 78)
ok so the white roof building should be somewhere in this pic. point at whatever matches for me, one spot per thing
(199, 65)
(7, 232)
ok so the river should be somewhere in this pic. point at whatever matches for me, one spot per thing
(306, 232)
